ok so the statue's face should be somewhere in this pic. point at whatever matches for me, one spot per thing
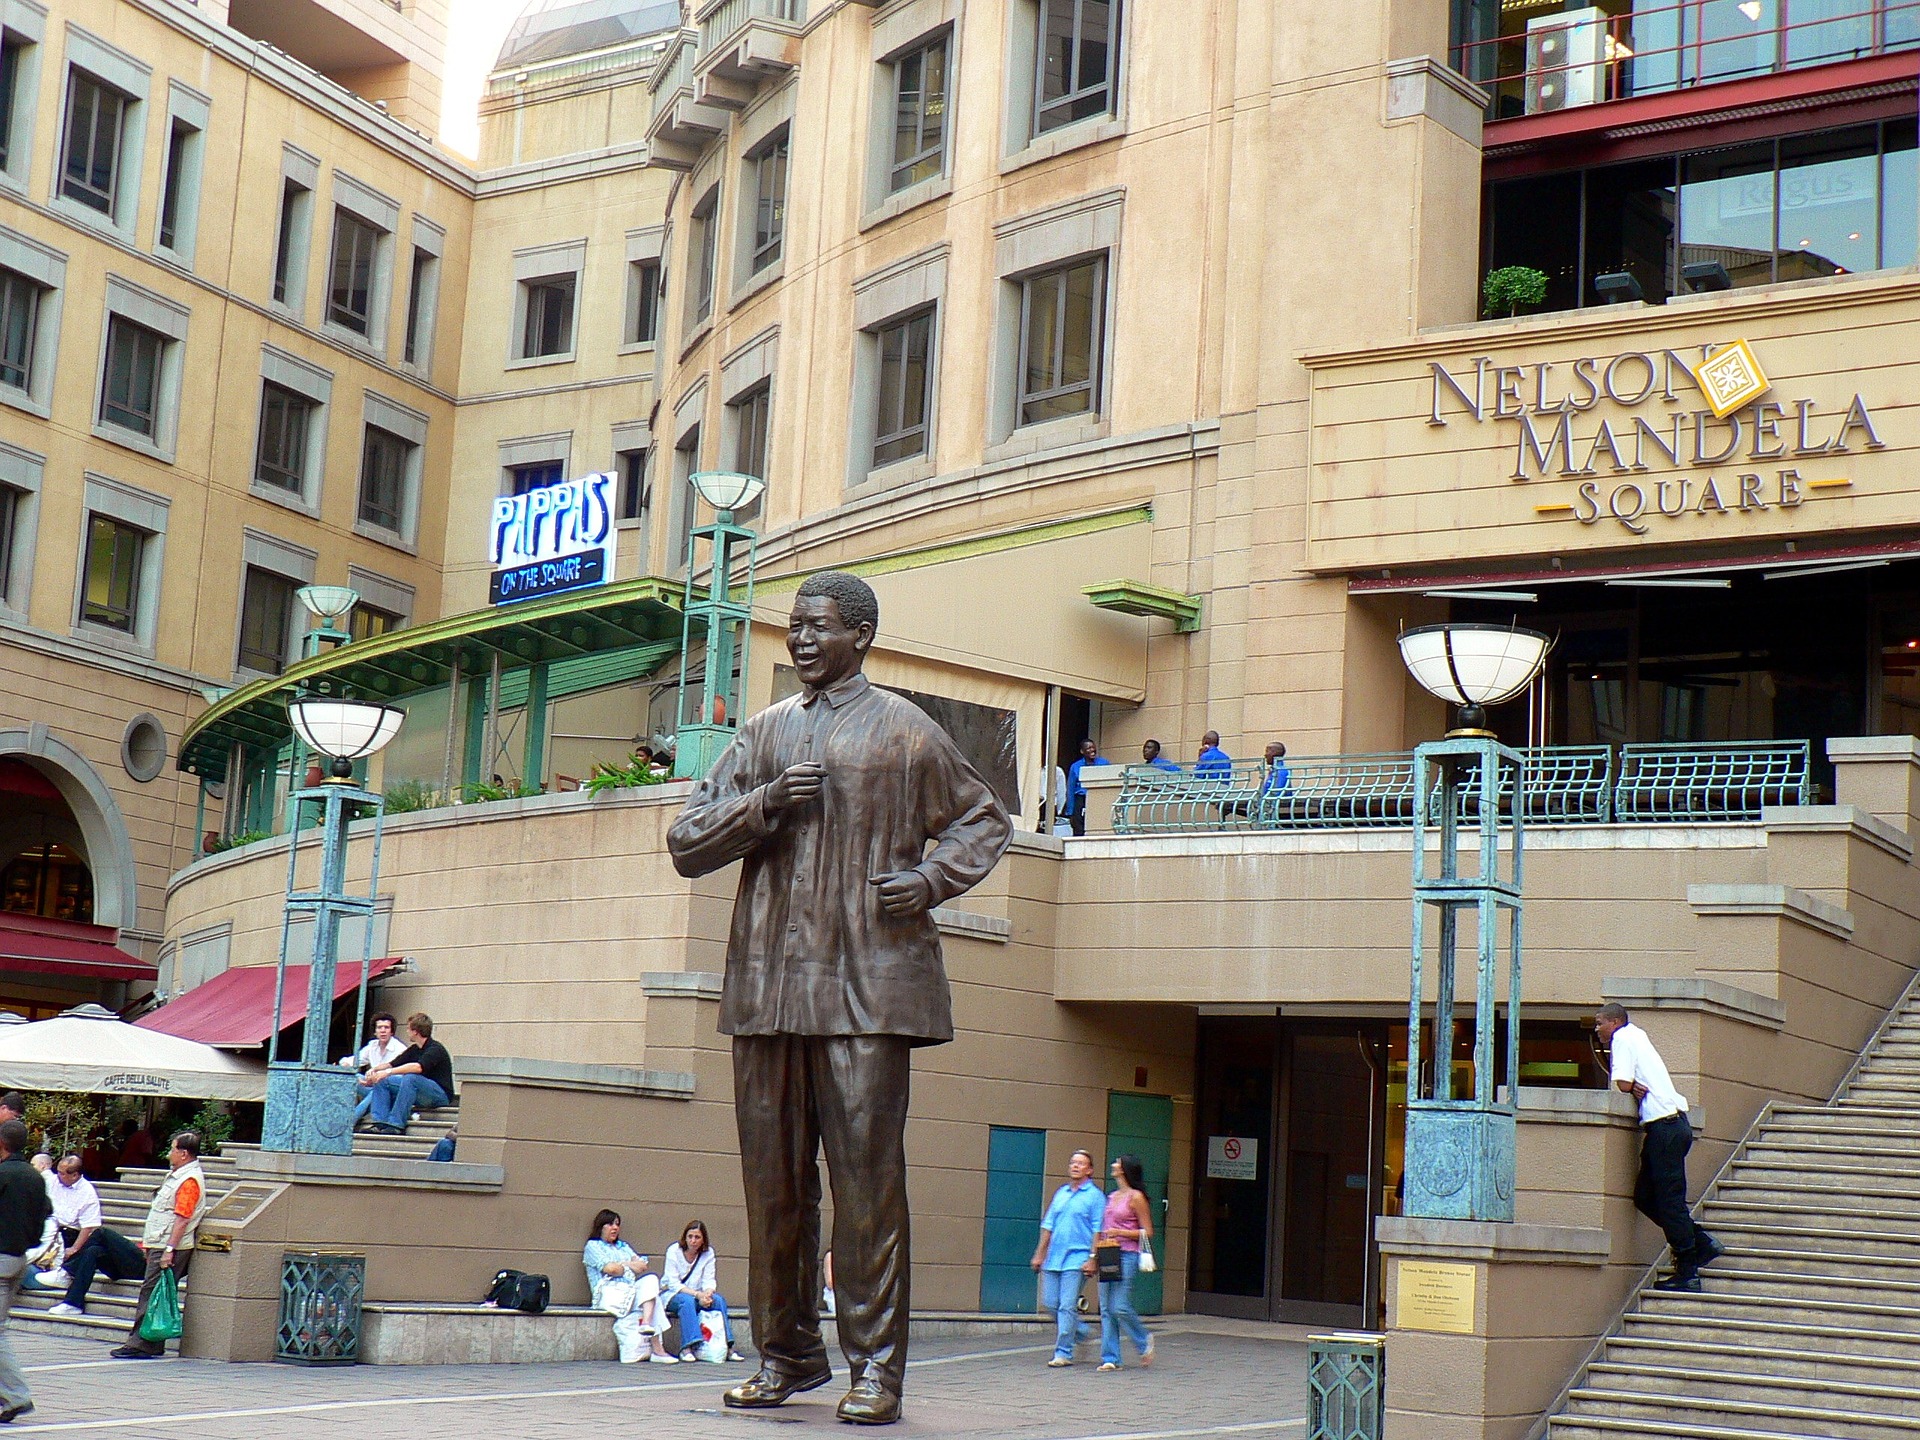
(825, 649)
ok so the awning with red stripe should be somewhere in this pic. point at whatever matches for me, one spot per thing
(234, 1010)
(39, 946)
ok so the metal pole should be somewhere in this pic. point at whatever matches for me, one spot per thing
(326, 933)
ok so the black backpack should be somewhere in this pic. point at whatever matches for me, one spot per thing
(517, 1290)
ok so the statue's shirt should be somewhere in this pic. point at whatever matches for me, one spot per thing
(812, 952)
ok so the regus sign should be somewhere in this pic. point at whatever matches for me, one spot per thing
(551, 540)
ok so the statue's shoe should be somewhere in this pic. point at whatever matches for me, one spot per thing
(768, 1388)
(868, 1404)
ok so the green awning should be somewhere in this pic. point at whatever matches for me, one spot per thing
(593, 623)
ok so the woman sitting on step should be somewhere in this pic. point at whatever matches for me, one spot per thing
(623, 1286)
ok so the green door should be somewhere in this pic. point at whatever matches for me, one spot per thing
(1143, 1125)
(1016, 1175)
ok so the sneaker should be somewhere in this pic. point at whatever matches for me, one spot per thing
(1106, 1365)
(64, 1310)
(661, 1357)
(689, 1354)
(127, 1352)
(1682, 1284)
(1058, 1362)
(52, 1280)
(1710, 1251)
(735, 1355)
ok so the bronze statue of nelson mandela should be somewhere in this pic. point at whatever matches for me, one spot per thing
(855, 815)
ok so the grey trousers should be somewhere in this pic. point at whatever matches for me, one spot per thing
(794, 1095)
(182, 1261)
(13, 1384)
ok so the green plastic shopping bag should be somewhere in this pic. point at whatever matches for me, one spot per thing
(162, 1320)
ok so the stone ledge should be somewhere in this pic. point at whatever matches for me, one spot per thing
(370, 1170)
(1782, 902)
(1847, 820)
(1873, 747)
(1493, 1241)
(1555, 1105)
(1713, 997)
(567, 1075)
(682, 984)
(979, 927)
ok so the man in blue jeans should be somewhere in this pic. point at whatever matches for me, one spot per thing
(1064, 1256)
(421, 1074)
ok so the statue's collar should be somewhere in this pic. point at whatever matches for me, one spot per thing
(836, 695)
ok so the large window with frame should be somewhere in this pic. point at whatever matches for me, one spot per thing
(385, 459)
(706, 242)
(130, 391)
(423, 287)
(296, 206)
(643, 301)
(286, 420)
(905, 388)
(1062, 332)
(367, 621)
(19, 324)
(10, 506)
(919, 116)
(96, 133)
(1079, 51)
(633, 484)
(547, 328)
(13, 52)
(112, 580)
(524, 478)
(769, 203)
(356, 248)
(266, 620)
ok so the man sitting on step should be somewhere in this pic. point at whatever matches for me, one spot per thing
(421, 1074)
(1666, 1135)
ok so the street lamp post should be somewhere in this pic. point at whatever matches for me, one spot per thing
(310, 1101)
(1460, 1150)
(706, 727)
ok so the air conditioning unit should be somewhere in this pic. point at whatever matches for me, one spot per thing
(1566, 60)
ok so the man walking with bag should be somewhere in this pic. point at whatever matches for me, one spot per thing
(24, 1208)
(173, 1221)
(1666, 1135)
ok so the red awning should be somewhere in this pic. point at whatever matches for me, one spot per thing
(66, 947)
(235, 1008)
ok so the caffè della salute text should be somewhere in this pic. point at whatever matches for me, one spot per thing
(1545, 401)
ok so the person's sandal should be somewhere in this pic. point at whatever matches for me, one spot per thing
(1108, 1365)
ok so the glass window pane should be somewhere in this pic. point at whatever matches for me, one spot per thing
(1899, 196)
(1726, 211)
(1536, 222)
(1829, 203)
(350, 302)
(1734, 37)
(1042, 336)
(19, 306)
(1819, 31)
(920, 111)
(112, 574)
(130, 398)
(266, 614)
(1082, 304)
(1630, 219)
(9, 94)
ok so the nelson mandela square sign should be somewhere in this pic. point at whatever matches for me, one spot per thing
(1586, 420)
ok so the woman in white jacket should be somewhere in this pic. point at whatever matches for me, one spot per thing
(623, 1286)
(690, 1285)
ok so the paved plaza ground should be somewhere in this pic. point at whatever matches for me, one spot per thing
(1208, 1378)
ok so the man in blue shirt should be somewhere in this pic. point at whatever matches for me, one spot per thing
(1076, 813)
(1150, 755)
(1213, 761)
(1064, 1257)
(1277, 776)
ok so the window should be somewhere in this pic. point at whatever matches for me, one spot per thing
(112, 588)
(422, 291)
(770, 204)
(367, 621)
(633, 484)
(1079, 40)
(13, 104)
(686, 460)
(643, 301)
(12, 502)
(1061, 333)
(906, 388)
(356, 247)
(170, 192)
(752, 413)
(385, 460)
(130, 393)
(187, 112)
(919, 116)
(547, 327)
(706, 242)
(19, 326)
(266, 621)
(286, 419)
(522, 478)
(96, 119)
(290, 240)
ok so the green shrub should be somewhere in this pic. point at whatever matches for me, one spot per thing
(406, 796)
(63, 1123)
(213, 1125)
(636, 771)
(482, 791)
(234, 842)
(1505, 290)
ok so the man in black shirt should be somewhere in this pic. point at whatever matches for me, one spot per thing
(421, 1074)
(24, 1208)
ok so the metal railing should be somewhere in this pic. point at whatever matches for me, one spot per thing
(721, 22)
(675, 68)
(1585, 56)
(527, 78)
(1566, 785)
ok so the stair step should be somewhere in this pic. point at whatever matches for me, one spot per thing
(1849, 1190)
(1781, 1360)
(1607, 1427)
(1743, 1279)
(1838, 1155)
(1705, 1414)
(1817, 1264)
(1836, 1338)
(1896, 1226)
(1801, 1392)
(1717, 1302)
(1764, 1232)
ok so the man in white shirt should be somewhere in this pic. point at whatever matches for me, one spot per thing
(376, 1054)
(1660, 1193)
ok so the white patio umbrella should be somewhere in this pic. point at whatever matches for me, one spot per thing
(92, 1051)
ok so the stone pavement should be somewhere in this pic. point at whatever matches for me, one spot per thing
(1207, 1379)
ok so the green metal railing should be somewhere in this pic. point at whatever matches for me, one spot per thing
(1346, 1386)
(1566, 785)
(320, 1300)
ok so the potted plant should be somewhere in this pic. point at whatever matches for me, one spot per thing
(1505, 290)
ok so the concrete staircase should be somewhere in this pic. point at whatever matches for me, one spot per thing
(1810, 1323)
(123, 1205)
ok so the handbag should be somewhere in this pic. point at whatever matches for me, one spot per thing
(618, 1297)
(1147, 1263)
(713, 1337)
(1106, 1261)
(517, 1290)
(49, 1256)
(162, 1320)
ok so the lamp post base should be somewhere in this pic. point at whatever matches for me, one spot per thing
(697, 747)
(309, 1110)
(1460, 1161)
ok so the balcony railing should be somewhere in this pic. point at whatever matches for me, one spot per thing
(1578, 57)
(721, 22)
(1565, 785)
(675, 68)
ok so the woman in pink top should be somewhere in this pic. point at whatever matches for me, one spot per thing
(1129, 1220)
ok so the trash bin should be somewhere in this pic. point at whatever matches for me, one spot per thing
(1346, 1386)
(320, 1297)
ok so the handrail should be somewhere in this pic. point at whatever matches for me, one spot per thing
(1655, 49)
(674, 70)
(1566, 785)
(721, 20)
